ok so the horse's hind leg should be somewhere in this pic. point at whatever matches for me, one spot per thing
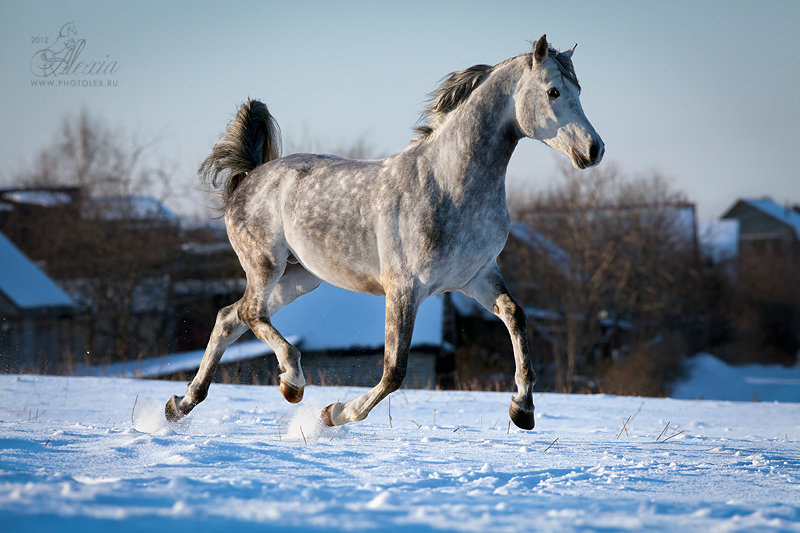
(295, 282)
(227, 329)
(263, 297)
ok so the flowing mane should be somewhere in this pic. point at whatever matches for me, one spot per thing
(457, 86)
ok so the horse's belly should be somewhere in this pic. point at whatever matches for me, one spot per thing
(348, 267)
(458, 270)
(351, 280)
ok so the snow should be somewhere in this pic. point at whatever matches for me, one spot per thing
(713, 379)
(24, 283)
(95, 454)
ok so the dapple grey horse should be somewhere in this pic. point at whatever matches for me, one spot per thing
(429, 219)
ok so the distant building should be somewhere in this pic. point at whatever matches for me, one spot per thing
(34, 314)
(766, 228)
(31, 217)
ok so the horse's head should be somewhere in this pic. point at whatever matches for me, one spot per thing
(548, 106)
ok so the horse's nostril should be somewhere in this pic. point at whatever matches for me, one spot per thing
(594, 151)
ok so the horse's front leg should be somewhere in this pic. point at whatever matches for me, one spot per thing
(401, 310)
(489, 289)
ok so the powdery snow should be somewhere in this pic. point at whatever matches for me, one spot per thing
(76, 456)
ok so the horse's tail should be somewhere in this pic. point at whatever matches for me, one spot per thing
(252, 138)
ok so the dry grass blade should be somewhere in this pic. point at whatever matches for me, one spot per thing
(624, 428)
(304, 435)
(134, 408)
(674, 435)
(551, 444)
(663, 431)
(415, 423)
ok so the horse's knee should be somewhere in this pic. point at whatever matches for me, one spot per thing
(228, 322)
(510, 312)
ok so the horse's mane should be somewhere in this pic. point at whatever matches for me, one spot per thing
(457, 86)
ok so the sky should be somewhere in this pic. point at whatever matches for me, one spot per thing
(703, 93)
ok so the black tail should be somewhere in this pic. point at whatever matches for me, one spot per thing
(252, 138)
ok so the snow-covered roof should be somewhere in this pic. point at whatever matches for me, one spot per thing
(131, 208)
(330, 318)
(44, 198)
(24, 283)
(165, 365)
(206, 248)
(536, 241)
(784, 214)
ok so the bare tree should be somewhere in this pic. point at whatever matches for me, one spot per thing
(111, 245)
(765, 317)
(625, 245)
(101, 161)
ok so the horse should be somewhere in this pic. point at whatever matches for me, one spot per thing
(429, 219)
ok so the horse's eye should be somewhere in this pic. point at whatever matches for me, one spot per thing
(553, 93)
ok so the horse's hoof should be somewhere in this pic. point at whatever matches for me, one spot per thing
(327, 416)
(291, 393)
(522, 419)
(172, 410)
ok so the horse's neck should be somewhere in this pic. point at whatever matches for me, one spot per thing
(474, 146)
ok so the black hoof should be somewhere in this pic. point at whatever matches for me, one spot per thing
(172, 410)
(522, 419)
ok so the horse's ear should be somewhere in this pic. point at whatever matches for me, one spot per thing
(540, 50)
(569, 52)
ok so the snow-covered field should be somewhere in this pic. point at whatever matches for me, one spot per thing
(713, 379)
(76, 456)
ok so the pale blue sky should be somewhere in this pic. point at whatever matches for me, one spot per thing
(703, 92)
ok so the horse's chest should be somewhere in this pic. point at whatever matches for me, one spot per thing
(456, 247)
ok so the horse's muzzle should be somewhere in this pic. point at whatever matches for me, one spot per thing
(593, 157)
